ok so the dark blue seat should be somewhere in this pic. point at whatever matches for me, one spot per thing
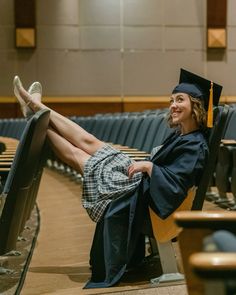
(224, 165)
(16, 191)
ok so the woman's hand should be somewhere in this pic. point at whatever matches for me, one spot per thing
(140, 166)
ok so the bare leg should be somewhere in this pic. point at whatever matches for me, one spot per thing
(74, 133)
(68, 153)
(71, 131)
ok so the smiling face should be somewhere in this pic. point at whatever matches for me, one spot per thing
(181, 112)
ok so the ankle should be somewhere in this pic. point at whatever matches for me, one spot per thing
(37, 106)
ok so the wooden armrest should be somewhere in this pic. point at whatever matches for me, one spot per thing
(9, 141)
(122, 147)
(7, 151)
(11, 147)
(5, 164)
(196, 225)
(127, 149)
(138, 158)
(213, 265)
(133, 155)
(6, 159)
(205, 219)
(4, 171)
(228, 141)
(135, 152)
(117, 146)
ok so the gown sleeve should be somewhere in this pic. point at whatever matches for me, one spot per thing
(170, 182)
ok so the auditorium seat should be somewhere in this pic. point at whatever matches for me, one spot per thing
(12, 127)
(217, 272)
(101, 125)
(216, 265)
(223, 175)
(114, 136)
(223, 169)
(197, 227)
(111, 126)
(16, 192)
(127, 128)
(36, 179)
(194, 201)
(144, 135)
(163, 131)
(233, 178)
(155, 132)
(9, 146)
(10, 132)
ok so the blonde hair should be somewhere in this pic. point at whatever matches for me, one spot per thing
(198, 112)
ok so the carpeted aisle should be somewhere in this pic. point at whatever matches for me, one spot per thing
(60, 259)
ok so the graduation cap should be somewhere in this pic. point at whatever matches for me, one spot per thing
(200, 88)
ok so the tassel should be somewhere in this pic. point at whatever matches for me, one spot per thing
(210, 108)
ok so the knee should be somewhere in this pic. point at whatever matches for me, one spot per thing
(77, 158)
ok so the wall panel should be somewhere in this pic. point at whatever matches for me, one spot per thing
(115, 48)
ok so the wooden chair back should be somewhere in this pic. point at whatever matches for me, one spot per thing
(166, 229)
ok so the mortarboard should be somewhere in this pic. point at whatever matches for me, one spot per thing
(200, 88)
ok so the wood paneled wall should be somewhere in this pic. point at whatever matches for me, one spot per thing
(86, 106)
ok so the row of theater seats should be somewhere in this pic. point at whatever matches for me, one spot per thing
(145, 130)
(12, 127)
(135, 130)
(142, 130)
(23, 156)
(225, 171)
(139, 131)
(207, 244)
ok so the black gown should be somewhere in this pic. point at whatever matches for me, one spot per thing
(119, 238)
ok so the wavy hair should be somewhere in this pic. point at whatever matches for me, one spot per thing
(198, 112)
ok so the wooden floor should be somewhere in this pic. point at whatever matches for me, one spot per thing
(60, 260)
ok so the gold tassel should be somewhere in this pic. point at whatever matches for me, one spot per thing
(210, 108)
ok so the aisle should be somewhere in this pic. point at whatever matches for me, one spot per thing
(60, 261)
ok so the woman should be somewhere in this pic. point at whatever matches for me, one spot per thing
(117, 191)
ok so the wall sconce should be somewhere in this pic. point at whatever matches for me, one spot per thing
(216, 24)
(216, 38)
(25, 31)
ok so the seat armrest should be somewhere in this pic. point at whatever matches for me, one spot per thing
(4, 170)
(5, 165)
(137, 155)
(138, 158)
(228, 141)
(213, 265)
(6, 159)
(135, 152)
(205, 219)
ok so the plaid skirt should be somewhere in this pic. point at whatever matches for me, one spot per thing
(105, 179)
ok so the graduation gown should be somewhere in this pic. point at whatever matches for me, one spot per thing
(119, 239)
